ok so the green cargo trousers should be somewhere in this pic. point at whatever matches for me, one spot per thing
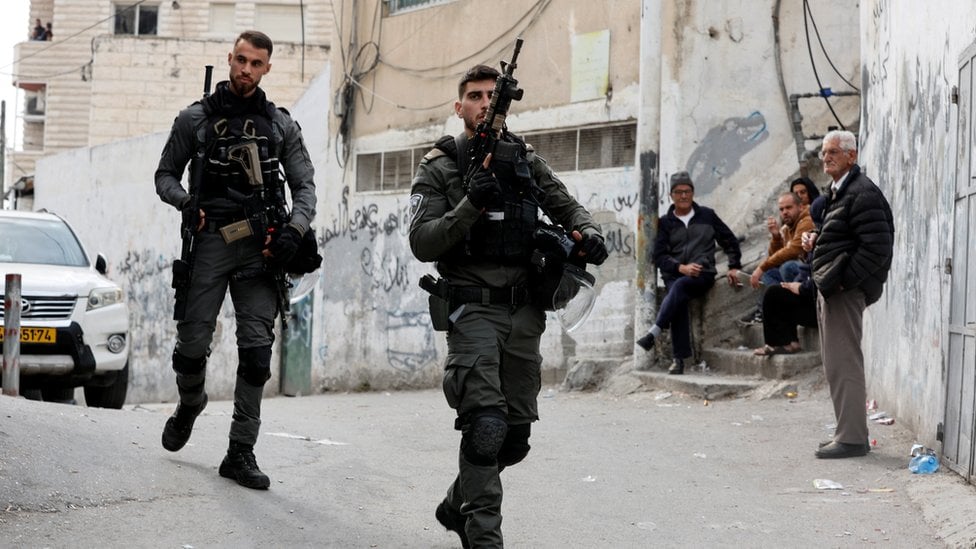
(493, 362)
(255, 304)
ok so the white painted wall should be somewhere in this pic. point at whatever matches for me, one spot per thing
(908, 148)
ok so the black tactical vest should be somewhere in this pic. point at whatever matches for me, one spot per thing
(504, 231)
(241, 157)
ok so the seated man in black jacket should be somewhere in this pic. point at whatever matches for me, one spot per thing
(791, 302)
(684, 251)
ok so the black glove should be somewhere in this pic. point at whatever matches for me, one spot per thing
(190, 216)
(483, 189)
(594, 250)
(284, 246)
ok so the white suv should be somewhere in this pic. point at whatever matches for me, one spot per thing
(78, 318)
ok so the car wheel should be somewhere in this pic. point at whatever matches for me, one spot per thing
(111, 395)
(64, 395)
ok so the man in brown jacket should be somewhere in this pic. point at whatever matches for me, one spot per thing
(785, 251)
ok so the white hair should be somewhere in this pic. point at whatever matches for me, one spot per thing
(845, 139)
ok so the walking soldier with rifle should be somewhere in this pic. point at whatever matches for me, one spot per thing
(238, 233)
(476, 210)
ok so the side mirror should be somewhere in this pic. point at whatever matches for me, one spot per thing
(101, 264)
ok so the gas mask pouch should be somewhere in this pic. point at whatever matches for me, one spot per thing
(558, 284)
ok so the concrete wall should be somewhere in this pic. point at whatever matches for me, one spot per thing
(423, 53)
(158, 74)
(908, 148)
(724, 118)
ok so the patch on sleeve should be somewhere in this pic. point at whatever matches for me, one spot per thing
(416, 203)
(434, 153)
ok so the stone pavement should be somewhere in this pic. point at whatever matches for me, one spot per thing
(644, 469)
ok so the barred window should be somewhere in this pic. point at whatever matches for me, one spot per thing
(138, 19)
(589, 148)
(387, 170)
(400, 6)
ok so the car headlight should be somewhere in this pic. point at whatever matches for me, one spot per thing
(103, 297)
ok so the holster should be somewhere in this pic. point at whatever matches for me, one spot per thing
(181, 283)
(439, 302)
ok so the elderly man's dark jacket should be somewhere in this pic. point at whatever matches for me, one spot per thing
(854, 247)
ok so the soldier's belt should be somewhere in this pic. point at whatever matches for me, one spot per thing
(510, 295)
(229, 230)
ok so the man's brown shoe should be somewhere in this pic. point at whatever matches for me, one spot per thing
(839, 450)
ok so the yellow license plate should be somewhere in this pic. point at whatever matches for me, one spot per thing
(35, 335)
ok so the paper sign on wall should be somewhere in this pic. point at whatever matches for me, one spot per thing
(590, 65)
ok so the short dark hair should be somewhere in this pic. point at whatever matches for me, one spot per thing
(257, 39)
(476, 73)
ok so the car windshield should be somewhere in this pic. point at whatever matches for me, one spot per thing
(44, 241)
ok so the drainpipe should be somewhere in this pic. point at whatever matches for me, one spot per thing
(648, 154)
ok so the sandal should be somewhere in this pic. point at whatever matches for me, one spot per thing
(768, 350)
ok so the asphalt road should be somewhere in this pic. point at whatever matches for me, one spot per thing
(366, 470)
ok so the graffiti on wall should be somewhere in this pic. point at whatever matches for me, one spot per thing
(368, 258)
(721, 150)
(371, 274)
(415, 339)
(364, 220)
(146, 276)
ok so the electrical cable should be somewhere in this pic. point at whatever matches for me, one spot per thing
(535, 12)
(824, 49)
(399, 106)
(813, 65)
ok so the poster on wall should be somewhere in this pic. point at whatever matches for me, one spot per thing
(590, 66)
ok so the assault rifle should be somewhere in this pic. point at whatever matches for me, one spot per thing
(486, 136)
(267, 214)
(183, 267)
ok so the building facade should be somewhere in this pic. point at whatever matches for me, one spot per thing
(117, 69)
(719, 104)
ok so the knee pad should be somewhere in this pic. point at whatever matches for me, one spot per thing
(189, 366)
(516, 444)
(483, 436)
(254, 365)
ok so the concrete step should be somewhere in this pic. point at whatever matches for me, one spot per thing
(751, 335)
(700, 385)
(741, 362)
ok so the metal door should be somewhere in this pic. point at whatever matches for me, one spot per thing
(296, 351)
(960, 410)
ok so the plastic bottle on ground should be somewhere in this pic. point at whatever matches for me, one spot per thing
(924, 464)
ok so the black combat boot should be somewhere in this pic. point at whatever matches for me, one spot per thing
(453, 520)
(239, 464)
(180, 425)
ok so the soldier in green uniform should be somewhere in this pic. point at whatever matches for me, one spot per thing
(481, 234)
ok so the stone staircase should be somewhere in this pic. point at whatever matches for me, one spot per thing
(723, 365)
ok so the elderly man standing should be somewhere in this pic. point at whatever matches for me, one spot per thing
(684, 251)
(851, 259)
